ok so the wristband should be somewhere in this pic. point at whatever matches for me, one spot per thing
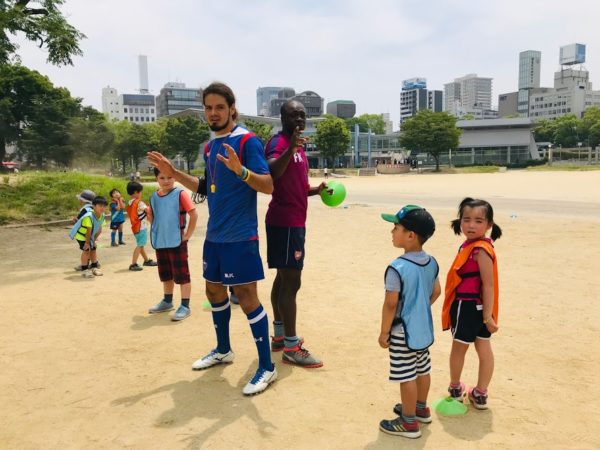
(244, 174)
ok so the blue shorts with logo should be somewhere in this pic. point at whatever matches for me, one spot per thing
(232, 263)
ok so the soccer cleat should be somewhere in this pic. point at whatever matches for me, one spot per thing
(457, 393)
(479, 400)
(114, 244)
(150, 262)
(260, 381)
(135, 267)
(162, 306)
(122, 243)
(87, 273)
(299, 356)
(423, 414)
(278, 345)
(97, 272)
(398, 427)
(181, 313)
(212, 359)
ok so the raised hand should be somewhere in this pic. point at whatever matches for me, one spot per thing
(232, 162)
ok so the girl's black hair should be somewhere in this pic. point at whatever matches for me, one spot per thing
(476, 203)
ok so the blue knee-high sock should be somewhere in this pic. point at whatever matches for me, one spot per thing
(221, 314)
(112, 236)
(259, 324)
(120, 236)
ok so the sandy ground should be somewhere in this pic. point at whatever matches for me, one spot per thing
(84, 365)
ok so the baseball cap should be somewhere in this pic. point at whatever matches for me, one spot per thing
(86, 196)
(413, 218)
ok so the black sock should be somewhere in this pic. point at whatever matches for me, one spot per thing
(168, 298)
(185, 302)
(94, 265)
(84, 267)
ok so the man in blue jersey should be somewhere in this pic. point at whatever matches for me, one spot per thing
(236, 170)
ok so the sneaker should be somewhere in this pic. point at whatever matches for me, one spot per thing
(122, 243)
(150, 262)
(260, 381)
(181, 313)
(135, 267)
(479, 400)
(162, 306)
(97, 272)
(423, 414)
(299, 356)
(78, 268)
(398, 427)
(278, 345)
(87, 273)
(114, 244)
(457, 393)
(212, 359)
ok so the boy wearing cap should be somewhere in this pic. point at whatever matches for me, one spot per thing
(411, 286)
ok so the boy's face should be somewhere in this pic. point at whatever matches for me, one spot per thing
(400, 236)
(116, 195)
(165, 183)
(99, 209)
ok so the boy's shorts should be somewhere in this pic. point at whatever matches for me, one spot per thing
(406, 364)
(141, 238)
(285, 247)
(232, 263)
(82, 243)
(115, 225)
(467, 321)
(173, 264)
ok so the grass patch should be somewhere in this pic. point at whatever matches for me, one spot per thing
(472, 169)
(564, 168)
(46, 196)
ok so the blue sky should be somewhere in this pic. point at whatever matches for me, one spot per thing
(354, 49)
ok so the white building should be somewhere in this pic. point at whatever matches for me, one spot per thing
(137, 108)
(572, 94)
(469, 95)
(529, 78)
(111, 103)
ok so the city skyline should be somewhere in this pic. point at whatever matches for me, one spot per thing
(338, 49)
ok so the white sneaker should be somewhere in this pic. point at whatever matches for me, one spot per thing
(97, 272)
(212, 359)
(87, 274)
(260, 381)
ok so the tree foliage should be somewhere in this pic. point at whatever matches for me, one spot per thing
(365, 122)
(263, 131)
(184, 135)
(568, 131)
(42, 23)
(430, 132)
(332, 137)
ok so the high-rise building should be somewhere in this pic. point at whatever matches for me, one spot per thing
(111, 103)
(175, 97)
(529, 78)
(469, 95)
(264, 95)
(313, 102)
(344, 109)
(414, 97)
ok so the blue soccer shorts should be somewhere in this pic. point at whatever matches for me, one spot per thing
(232, 263)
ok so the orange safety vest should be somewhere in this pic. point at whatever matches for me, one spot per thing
(453, 279)
(136, 223)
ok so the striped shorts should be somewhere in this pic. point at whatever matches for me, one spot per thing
(406, 364)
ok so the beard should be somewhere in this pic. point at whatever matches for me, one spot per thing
(217, 127)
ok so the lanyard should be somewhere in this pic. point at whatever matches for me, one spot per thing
(212, 172)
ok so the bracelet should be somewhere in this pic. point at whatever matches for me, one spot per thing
(246, 176)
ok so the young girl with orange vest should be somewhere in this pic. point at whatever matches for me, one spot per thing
(471, 303)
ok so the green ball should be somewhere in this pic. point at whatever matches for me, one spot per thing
(336, 197)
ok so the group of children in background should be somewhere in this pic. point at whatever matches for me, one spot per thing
(470, 309)
(169, 235)
(412, 284)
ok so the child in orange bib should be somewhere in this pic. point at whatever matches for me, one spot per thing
(470, 307)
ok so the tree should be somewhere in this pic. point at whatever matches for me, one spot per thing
(590, 126)
(45, 25)
(545, 130)
(430, 132)
(183, 136)
(365, 121)
(332, 137)
(566, 130)
(90, 137)
(263, 131)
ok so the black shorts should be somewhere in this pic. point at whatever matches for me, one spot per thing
(467, 321)
(82, 243)
(115, 225)
(285, 247)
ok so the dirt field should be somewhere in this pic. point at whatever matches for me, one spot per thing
(85, 366)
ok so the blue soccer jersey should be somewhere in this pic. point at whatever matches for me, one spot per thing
(231, 202)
